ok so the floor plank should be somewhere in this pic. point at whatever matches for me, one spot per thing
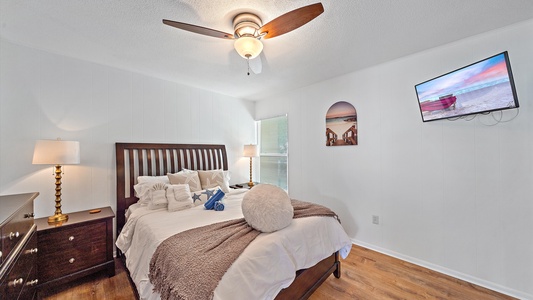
(366, 274)
(94, 287)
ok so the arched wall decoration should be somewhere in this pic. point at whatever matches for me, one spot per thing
(341, 125)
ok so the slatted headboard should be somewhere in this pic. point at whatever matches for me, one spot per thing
(145, 159)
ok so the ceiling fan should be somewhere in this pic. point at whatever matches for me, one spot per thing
(249, 30)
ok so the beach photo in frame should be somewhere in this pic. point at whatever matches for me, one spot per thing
(341, 124)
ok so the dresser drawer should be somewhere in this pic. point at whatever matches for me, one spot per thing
(72, 249)
(28, 290)
(21, 274)
(16, 228)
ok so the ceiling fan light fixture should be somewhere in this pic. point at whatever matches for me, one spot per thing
(246, 24)
(248, 47)
(249, 29)
(245, 31)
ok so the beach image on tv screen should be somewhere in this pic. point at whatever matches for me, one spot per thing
(480, 87)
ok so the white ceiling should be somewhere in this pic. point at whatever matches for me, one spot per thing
(349, 35)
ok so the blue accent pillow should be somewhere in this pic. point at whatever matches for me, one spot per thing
(210, 204)
(219, 206)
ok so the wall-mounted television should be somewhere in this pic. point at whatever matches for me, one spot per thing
(481, 87)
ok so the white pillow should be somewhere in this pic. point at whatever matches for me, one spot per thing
(143, 179)
(144, 184)
(190, 178)
(158, 195)
(179, 197)
(227, 174)
(142, 191)
(214, 178)
(201, 197)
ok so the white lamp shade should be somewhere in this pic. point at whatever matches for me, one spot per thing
(248, 47)
(250, 151)
(56, 152)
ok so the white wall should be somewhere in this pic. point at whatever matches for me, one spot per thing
(45, 96)
(453, 196)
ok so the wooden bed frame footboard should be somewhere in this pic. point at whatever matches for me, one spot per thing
(308, 280)
(154, 159)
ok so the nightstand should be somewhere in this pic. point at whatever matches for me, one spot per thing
(81, 246)
(242, 185)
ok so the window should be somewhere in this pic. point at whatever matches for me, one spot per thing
(273, 151)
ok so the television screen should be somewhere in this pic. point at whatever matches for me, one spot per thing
(481, 87)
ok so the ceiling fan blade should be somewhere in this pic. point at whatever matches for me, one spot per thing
(199, 29)
(291, 20)
(256, 65)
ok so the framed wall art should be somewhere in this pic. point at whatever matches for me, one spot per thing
(341, 124)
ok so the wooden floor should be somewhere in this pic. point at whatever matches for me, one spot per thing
(366, 274)
(95, 287)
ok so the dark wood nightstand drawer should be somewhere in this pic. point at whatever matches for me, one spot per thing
(71, 250)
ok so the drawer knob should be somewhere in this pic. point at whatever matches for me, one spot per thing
(71, 260)
(32, 250)
(32, 282)
(71, 238)
(14, 235)
(16, 282)
(29, 215)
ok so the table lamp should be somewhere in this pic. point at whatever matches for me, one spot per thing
(58, 153)
(250, 151)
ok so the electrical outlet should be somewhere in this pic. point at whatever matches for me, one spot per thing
(375, 220)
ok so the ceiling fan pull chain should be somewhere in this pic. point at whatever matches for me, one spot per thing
(248, 62)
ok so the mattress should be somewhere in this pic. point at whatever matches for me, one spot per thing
(265, 267)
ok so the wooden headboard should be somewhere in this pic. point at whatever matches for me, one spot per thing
(145, 159)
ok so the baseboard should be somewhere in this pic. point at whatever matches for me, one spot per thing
(484, 283)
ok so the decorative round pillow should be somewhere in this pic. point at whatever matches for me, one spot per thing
(267, 208)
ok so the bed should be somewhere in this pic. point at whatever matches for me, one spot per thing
(151, 159)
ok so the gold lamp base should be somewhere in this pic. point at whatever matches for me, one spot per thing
(251, 183)
(57, 219)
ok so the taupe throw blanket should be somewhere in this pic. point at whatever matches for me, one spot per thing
(189, 265)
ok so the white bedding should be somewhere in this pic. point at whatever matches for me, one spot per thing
(265, 267)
